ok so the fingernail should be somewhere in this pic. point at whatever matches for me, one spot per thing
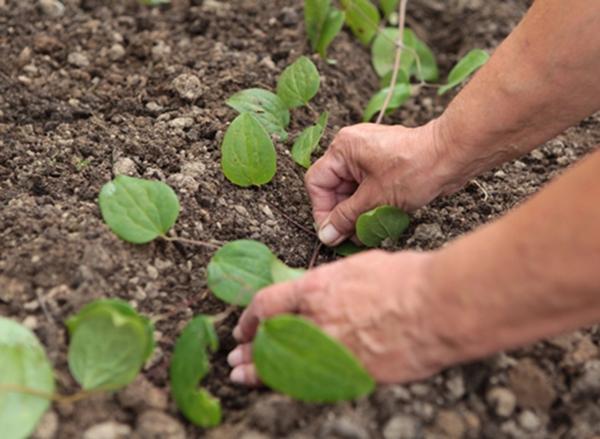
(237, 375)
(237, 333)
(329, 234)
(235, 357)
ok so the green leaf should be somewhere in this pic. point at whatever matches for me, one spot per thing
(383, 51)
(270, 111)
(401, 78)
(363, 19)
(293, 356)
(308, 141)
(384, 222)
(23, 363)
(348, 248)
(247, 155)
(331, 28)
(239, 269)
(109, 344)
(189, 365)
(388, 6)
(315, 16)
(298, 83)
(154, 2)
(465, 67)
(400, 95)
(280, 272)
(138, 210)
(429, 68)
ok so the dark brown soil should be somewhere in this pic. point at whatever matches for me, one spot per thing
(73, 109)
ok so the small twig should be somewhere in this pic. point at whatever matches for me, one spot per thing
(390, 93)
(63, 399)
(192, 241)
(219, 318)
(481, 188)
(292, 220)
(315, 254)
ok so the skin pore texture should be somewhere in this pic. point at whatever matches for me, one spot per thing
(529, 275)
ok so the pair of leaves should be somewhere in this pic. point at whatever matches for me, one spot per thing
(308, 141)
(138, 210)
(239, 269)
(472, 61)
(362, 16)
(323, 22)
(383, 53)
(248, 154)
(189, 365)
(110, 342)
(293, 356)
(23, 364)
(379, 224)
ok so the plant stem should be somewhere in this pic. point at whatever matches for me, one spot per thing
(312, 111)
(56, 397)
(399, 47)
(219, 318)
(204, 244)
(315, 254)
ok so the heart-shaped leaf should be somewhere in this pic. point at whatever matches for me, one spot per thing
(363, 19)
(109, 344)
(239, 269)
(400, 95)
(189, 365)
(247, 155)
(333, 25)
(266, 106)
(308, 141)
(384, 222)
(298, 83)
(23, 364)
(138, 210)
(464, 68)
(293, 356)
(383, 51)
(315, 16)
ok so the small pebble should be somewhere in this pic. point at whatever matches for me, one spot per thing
(502, 400)
(52, 8)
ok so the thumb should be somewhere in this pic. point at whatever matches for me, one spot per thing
(340, 223)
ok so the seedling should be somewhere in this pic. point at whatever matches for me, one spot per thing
(377, 225)
(298, 83)
(323, 23)
(464, 68)
(109, 344)
(308, 141)
(362, 17)
(189, 365)
(293, 356)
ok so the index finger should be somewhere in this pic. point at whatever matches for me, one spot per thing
(276, 299)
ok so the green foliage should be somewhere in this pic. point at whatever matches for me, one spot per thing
(266, 106)
(363, 19)
(308, 141)
(384, 222)
(239, 269)
(138, 210)
(332, 27)
(388, 7)
(154, 2)
(298, 83)
(429, 68)
(189, 365)
(293, 356)
(23, 363)
(464, 68)
(399, 96)
(110, 343)
(315, 16)
(247, 154)
(347, 248)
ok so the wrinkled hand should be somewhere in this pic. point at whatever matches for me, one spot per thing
(368, 165)
(375, 303)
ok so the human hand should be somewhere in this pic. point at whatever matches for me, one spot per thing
(376, 303)
(368, 165)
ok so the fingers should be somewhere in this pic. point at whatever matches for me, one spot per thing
(245, 374)
(276, 299)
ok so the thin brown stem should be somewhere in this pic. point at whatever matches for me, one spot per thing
(399, 47)
(315, 255)
(56, 397)
(292, 220)
(222, 316)
(204, 244)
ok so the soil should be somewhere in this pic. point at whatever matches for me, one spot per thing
(90, 92)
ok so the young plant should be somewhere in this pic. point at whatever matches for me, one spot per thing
(379, 224)
(308, 141)
(362, 17)
(137, 210)
(323, 22)
(26, 380)
(298, 83)
(189, 365)
(293, 356)
(472, 61)
(112, 360)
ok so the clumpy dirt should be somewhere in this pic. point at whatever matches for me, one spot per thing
(91, 92)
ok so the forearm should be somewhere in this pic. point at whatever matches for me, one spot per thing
(530, 275)
(541, 79)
